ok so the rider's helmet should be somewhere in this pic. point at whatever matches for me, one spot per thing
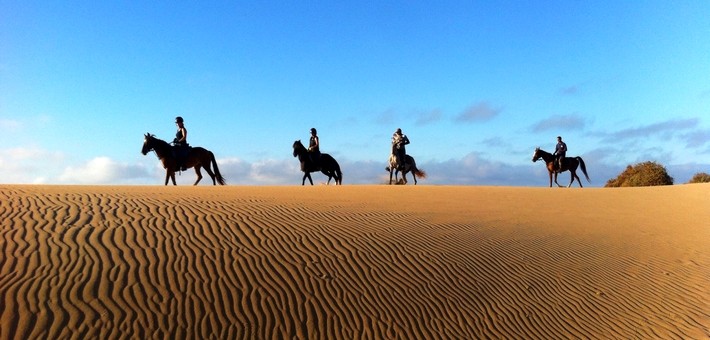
(313, 131)
(178, 119)
(399, 131)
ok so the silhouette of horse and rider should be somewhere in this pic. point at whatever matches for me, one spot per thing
(400, 161)
(324, 163)
(557, 163)
(197, 157)
(180, 156)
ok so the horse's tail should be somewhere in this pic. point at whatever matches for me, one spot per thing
(338, 173)
(217, 174)
(583, 167)
(416, 171)
(419, 173)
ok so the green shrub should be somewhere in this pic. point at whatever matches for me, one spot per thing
(700, 177)
(642, 175)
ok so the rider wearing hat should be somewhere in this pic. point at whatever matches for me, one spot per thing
(399, 140)
(314, 147)
(180, 143)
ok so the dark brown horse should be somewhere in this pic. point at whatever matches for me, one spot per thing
(409, 166)
(198, 158)
(327, 165)
(569, 163)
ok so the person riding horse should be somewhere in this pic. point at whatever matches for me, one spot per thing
(399, 140)
(180, 145)
(314, 148)
(560, 152)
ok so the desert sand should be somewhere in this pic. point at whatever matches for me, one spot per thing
(354, 262)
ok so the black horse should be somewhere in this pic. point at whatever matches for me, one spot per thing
(569, 163)
(197, 158)
(328, 165)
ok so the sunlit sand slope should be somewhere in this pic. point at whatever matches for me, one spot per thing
(354, 262)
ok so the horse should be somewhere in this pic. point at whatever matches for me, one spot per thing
(409, 166)
(198, 158)
(569, 163)
(328, 165)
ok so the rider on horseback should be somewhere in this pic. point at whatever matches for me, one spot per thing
(181, 147)
(399, 140)
(314, 148)
(560, 151)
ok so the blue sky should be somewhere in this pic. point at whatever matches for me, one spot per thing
(476, 85)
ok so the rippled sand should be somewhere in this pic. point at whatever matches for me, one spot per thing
(354, 262)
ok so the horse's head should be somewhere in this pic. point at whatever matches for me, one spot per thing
(297, 147)
(147, 144)
(536, 154)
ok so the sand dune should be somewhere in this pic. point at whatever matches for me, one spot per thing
(354, 262)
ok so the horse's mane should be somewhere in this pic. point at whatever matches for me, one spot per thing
(163, 144)
(298, 145)
(541, 150)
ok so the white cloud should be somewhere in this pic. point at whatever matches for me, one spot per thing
(478, 113)
(475, 169)
(28, 164)
(559, 122)
(664, 130)
(104, 170)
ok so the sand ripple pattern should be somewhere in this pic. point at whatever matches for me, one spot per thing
(246, 263)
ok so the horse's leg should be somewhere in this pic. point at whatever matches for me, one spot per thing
(574, 172)
(404, 177)
(171, 175)
(558, 184)
(199, 175)
(208, 168)
(307, 175)
(414, 175)
(391, 171)
(571, 180)
(167, 176)
(550, 173)
(329, 174)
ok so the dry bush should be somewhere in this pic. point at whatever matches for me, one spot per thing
(642, 175)
(700, 177)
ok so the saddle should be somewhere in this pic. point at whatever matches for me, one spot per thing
(181, 152)
(314, 157)
(559, 166)
(181, 149)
